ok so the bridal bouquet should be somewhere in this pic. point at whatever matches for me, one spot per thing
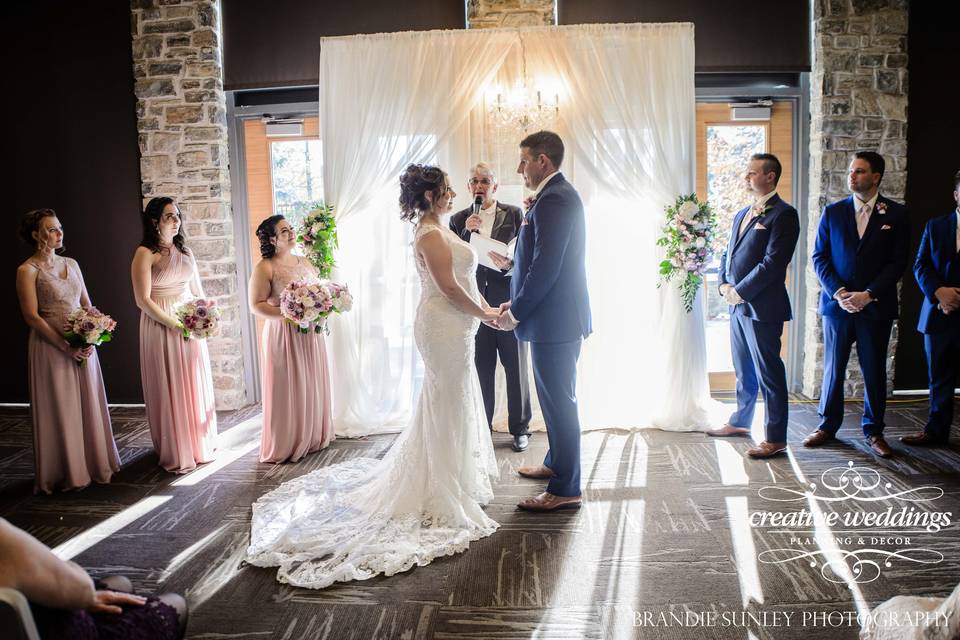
(688, 235)
(87, 327)
(199, 318)
(308, 304)
(318, 237)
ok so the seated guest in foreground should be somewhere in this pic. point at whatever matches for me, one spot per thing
(177, 384)
(72, 436)
(859, 257)
(67, 603)
(753, 272)
(937, 270)
(294, 376)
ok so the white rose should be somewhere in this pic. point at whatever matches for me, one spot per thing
(688, 211)
(700, 243)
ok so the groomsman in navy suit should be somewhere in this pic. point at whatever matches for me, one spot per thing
(937, 270)
(549, 308)
(753, 271)
(860, 256)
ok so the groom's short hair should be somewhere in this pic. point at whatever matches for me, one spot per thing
(770, 163)
(546, 142)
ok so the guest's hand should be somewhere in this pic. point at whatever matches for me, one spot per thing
(105, 601)
(503, 262)
(473, 223)
(949, 298)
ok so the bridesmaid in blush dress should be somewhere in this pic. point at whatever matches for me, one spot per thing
(177, 385)
(72, 436)
(293, 366)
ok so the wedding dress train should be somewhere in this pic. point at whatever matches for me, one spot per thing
(423, 499)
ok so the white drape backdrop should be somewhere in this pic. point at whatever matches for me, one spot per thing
(627, 119)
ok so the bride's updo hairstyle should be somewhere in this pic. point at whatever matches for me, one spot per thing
(415, 182)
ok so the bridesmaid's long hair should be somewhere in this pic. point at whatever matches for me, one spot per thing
(30, 222)
(151, 226)
(266, 232)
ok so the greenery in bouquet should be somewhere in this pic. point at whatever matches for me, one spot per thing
(89, 326)
(318, 237)
(688, 236)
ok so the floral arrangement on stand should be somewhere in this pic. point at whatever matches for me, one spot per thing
(86, 327)
(199, 318)
(308, 304)
(318, 237)
(688, 235)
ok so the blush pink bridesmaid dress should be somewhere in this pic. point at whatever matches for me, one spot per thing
(295, 380)
(72, 436)
(177, 385)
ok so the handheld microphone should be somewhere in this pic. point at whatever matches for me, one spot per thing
(475, 209)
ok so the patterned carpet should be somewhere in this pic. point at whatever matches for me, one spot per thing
(661, 549)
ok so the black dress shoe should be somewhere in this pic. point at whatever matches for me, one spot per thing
(520, 442)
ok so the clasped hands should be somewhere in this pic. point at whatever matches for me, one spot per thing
(730, 294)
(498, 318)
(949, 299)
(853, 301)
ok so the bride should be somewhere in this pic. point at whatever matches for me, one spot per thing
(363, 517)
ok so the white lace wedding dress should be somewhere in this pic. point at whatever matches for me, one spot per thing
(364, 517)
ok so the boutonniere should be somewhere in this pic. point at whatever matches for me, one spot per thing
(881, 208)
(759, 212)
(529, 201)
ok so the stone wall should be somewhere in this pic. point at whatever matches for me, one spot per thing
(181, 118)
(485, 14)
(858, 102)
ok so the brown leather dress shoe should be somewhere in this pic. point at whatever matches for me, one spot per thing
(540, 472)
(767, 449)
(728, 431)
(880, 446)
(923, 439)
(818, 438)
(549, 502)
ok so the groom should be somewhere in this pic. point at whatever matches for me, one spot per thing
(549, 308)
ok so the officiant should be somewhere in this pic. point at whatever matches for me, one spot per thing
(499, 221)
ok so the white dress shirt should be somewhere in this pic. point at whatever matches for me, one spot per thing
(487, 218)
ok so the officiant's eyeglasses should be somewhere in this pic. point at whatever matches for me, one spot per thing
(484, 181)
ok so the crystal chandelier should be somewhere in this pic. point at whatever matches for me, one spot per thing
(523, 107)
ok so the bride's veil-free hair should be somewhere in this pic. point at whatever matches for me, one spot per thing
(415, 182)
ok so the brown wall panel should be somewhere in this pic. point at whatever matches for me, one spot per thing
(732, 36)
(278, 44)
(70, 143)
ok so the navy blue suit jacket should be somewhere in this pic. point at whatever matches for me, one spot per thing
(756, 262)
(937, 265)
(875, 262)
(548, 289)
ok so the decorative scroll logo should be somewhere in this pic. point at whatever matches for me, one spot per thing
(857, 488)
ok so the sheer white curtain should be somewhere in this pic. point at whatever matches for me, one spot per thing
(629, 124)
(627, 118)
(387, 100)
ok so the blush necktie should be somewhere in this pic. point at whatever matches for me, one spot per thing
(863, 218)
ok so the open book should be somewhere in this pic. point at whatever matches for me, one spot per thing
(485, 245)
